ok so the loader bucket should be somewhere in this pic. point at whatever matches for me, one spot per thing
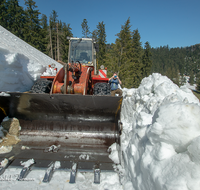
(78, 125)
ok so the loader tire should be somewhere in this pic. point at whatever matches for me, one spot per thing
(101, 89)
(41, 86)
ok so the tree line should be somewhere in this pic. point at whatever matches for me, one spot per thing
(126, 56)
(47, 35)
(177, 63)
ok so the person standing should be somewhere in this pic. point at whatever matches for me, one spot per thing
(114, 81)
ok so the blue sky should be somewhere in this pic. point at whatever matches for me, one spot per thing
(161, 22)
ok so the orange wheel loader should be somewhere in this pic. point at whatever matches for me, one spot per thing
(70, 117)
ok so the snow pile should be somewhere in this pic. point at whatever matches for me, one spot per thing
(161, 136)
(20, 63)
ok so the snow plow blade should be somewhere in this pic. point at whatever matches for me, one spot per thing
(67, 128)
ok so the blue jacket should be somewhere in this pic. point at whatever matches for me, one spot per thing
(114, 84)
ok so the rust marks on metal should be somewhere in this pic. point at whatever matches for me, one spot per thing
(119, 106)
(3, 111)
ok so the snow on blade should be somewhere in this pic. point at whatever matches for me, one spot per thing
(4, 94)
(57, 165)
(84, 157)
(4, 162)
(27, 163)
(114, 153)
(5, 149)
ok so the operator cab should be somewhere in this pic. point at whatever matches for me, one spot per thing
(82, 50)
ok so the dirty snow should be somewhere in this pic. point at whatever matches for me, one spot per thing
(4, 162)
(160, 137)
(5, 149)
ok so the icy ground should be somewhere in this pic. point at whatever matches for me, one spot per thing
(160, 137)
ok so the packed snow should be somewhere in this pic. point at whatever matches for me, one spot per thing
(20, 63)
(160, 140)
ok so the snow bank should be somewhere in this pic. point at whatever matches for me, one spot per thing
(20, 63)
(161, 136)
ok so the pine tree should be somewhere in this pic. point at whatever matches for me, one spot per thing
(147, 63)
(66, 32)
(44, 33)
(198, 85)
(136, 66)
(33, 30)
(191, 81)
(53, 34)
(123, 51)
(85, 28)
(3, 13)
(101, 40)
(111, 60)
(95, 34)
(15, 18)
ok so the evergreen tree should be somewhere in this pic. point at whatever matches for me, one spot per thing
(146, 60)
(101, 40)
(66, 32)
(123, 51)
(15, 18)
(44, 33)
(95, 34)
(191, 81)
(33, 34)
(136, 66)
(111, 60)
(198, 85)
(3, 13)
(53, 34)
(85, 28)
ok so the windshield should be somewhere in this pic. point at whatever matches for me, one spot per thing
(81, 50)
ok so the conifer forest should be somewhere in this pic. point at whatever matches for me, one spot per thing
(127, 56)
